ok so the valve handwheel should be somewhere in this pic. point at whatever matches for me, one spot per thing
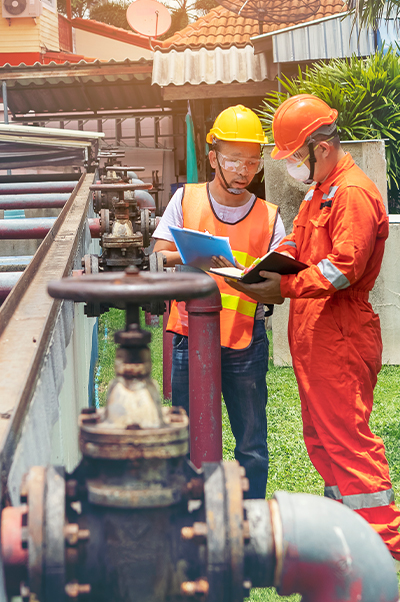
(133, 287)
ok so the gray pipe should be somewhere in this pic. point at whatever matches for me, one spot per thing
(322, 550)
(14, 263)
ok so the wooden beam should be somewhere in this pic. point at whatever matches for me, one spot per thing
(234, 90)
(18, 74)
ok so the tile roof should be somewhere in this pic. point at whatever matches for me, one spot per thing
(224, 28)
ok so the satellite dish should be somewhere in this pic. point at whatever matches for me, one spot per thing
(148, 17)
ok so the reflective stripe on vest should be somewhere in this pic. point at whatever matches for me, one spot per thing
(247, 308)
(369, 500)
(332, 492)
(244, 258)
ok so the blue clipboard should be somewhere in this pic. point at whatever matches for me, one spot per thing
(197, 248)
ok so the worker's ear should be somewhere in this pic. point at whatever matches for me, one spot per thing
(212, 157)
(326, 148)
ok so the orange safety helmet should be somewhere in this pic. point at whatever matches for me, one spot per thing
(237, 124)
(295, 119)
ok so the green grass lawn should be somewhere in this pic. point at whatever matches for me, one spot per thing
(290, 467)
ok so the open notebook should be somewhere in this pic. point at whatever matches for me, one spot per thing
(271, 262)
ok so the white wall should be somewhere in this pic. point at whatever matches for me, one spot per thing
(92, 45)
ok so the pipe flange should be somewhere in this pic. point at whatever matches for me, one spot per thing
(128, 496)
(36, 487)
(117, 242)
(104, 221)
(223, 497)
(54, 544)
(145, 226)
(98, 439)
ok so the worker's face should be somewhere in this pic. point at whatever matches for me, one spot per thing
(239, 161)
(298, 164)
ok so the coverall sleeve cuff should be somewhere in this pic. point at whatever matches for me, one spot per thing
(287, 282)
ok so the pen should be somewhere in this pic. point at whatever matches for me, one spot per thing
(253, 265)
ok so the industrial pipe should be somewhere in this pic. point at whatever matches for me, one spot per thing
(7, 281)
(205, 379)
(11, 263)
(37, 187)
(37, 228)
(167, 354)
(145, 200)
(33, 201)
(328, 553)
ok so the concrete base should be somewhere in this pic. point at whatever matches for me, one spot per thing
(284, 191)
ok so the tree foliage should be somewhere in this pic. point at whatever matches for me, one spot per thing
(368, 13)
(113, 12)
(366, 94)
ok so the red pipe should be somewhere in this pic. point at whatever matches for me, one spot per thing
(12, 552)
(25, 229)
(33, 201)
(37, 228)
(167, 354)
(205, 379)
(38, 187)
(94, 227)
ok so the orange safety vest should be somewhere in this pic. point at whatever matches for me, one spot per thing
(249, 238)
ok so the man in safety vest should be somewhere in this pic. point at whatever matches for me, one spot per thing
(224, 207)
(334, 335)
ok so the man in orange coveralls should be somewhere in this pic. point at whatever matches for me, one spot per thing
(334, 335)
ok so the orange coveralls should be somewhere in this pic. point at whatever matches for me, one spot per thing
(335, 340)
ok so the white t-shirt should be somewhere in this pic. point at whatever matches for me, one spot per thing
(173, 216)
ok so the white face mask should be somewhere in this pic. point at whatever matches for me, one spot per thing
(298, 171)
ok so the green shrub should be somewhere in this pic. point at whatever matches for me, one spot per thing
(365, 92)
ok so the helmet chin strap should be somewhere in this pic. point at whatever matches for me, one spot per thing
(313, 161)
(227, 187)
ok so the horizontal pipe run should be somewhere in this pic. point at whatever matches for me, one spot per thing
(37, 187)
(7, 282)
(14, 263)
(33, 201)
(36, 228)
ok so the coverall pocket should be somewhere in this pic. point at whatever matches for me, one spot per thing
(321, 241)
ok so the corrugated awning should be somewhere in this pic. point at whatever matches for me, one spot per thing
(327, 38)
(204, 66)
(28, 146)
(80, 87)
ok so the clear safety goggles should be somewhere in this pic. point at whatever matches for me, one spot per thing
(236, 165)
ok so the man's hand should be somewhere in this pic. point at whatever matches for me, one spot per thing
(222, 262)
(168, 249)
(267, 292)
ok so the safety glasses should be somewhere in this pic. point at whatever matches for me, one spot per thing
(236, 165)
(296, 157)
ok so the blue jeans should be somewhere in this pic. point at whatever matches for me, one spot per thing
(245, 393)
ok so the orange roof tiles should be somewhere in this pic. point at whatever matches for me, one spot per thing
(222, 27)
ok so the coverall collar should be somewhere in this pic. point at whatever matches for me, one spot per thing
(342, 165)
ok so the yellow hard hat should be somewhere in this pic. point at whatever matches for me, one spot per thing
(237, 124)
